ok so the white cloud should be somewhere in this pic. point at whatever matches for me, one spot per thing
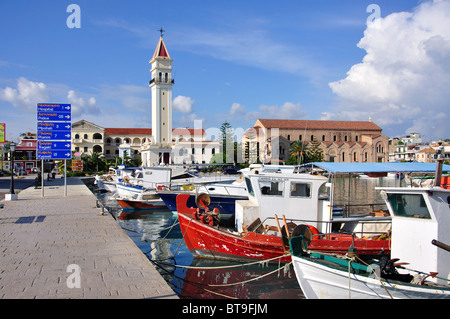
(403, 80)
(26, 95)
(183, 104)
(81, 106)
(237, 108)
(287, 110)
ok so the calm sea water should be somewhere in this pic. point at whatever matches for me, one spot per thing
(158, 235)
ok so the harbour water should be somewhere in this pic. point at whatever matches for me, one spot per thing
(158, 235)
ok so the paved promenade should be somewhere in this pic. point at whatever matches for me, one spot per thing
(63, 247)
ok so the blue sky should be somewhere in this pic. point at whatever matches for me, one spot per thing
(233, 60)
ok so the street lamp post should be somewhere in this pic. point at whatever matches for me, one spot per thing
(12, 148)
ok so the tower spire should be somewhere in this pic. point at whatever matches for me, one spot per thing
(161, 50)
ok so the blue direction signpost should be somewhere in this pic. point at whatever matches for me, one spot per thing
(54, 132)
(54, 126)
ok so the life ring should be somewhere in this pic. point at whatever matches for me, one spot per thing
(203, 200)
(162, 187)
(307, 232)
(126, 179)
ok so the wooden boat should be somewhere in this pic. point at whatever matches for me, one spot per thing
(257, 232)
(420, 221)
(204, 239)
(341, 243)
(139, 203)
(222, 196)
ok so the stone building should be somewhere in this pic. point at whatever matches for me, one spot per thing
(187, 146)
(341, 141)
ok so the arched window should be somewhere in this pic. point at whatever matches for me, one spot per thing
(97, 148)
(85, 136)
(167, 77)
(97, 136)
(160, 77)
(77, 136)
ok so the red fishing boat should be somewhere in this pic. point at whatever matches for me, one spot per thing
(341, 243)
(144, 201)
(204, 239)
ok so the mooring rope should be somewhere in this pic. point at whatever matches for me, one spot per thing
(376, 275)
(249, 280)
(153, 232)
(225, 267)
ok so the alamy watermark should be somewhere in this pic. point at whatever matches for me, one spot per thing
(376, 12)
(74, 279)
(74, 19)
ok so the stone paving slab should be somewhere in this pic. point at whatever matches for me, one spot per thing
(41, 236)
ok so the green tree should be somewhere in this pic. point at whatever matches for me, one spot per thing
(314, 153)
(226, 137)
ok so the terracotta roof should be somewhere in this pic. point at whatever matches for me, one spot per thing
(128, 131)
(320, 125)
(148, 131)
(427, 150)
(161, 50)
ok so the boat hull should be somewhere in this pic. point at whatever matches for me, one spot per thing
(319, 281)
(205, 241)
(225, 204)
(127, 190)
(341, 243)
(133, 205)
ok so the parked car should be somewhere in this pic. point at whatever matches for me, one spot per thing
(230, 170)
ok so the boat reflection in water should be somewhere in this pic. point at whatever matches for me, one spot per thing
(244, 282)
(158, 235)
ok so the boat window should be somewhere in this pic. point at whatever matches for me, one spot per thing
(300, 189)
(324, 191)
(409, 205)
(249, 186)
(273, 188)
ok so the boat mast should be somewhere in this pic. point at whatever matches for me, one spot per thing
(439, 162)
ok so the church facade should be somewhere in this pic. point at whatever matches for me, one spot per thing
(340, 141)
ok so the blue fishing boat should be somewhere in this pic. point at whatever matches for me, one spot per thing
(222, 196)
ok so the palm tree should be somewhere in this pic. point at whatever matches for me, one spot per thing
(297, 148)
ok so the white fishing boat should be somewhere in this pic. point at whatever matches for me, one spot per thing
(420, 264)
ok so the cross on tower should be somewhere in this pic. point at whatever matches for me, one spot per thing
(162, 31)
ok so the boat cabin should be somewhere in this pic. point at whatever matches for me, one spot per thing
(420, 216)
(296, 196)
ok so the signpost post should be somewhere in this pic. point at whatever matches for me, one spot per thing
(54, 132)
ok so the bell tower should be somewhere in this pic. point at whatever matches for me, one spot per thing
(161, 86)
